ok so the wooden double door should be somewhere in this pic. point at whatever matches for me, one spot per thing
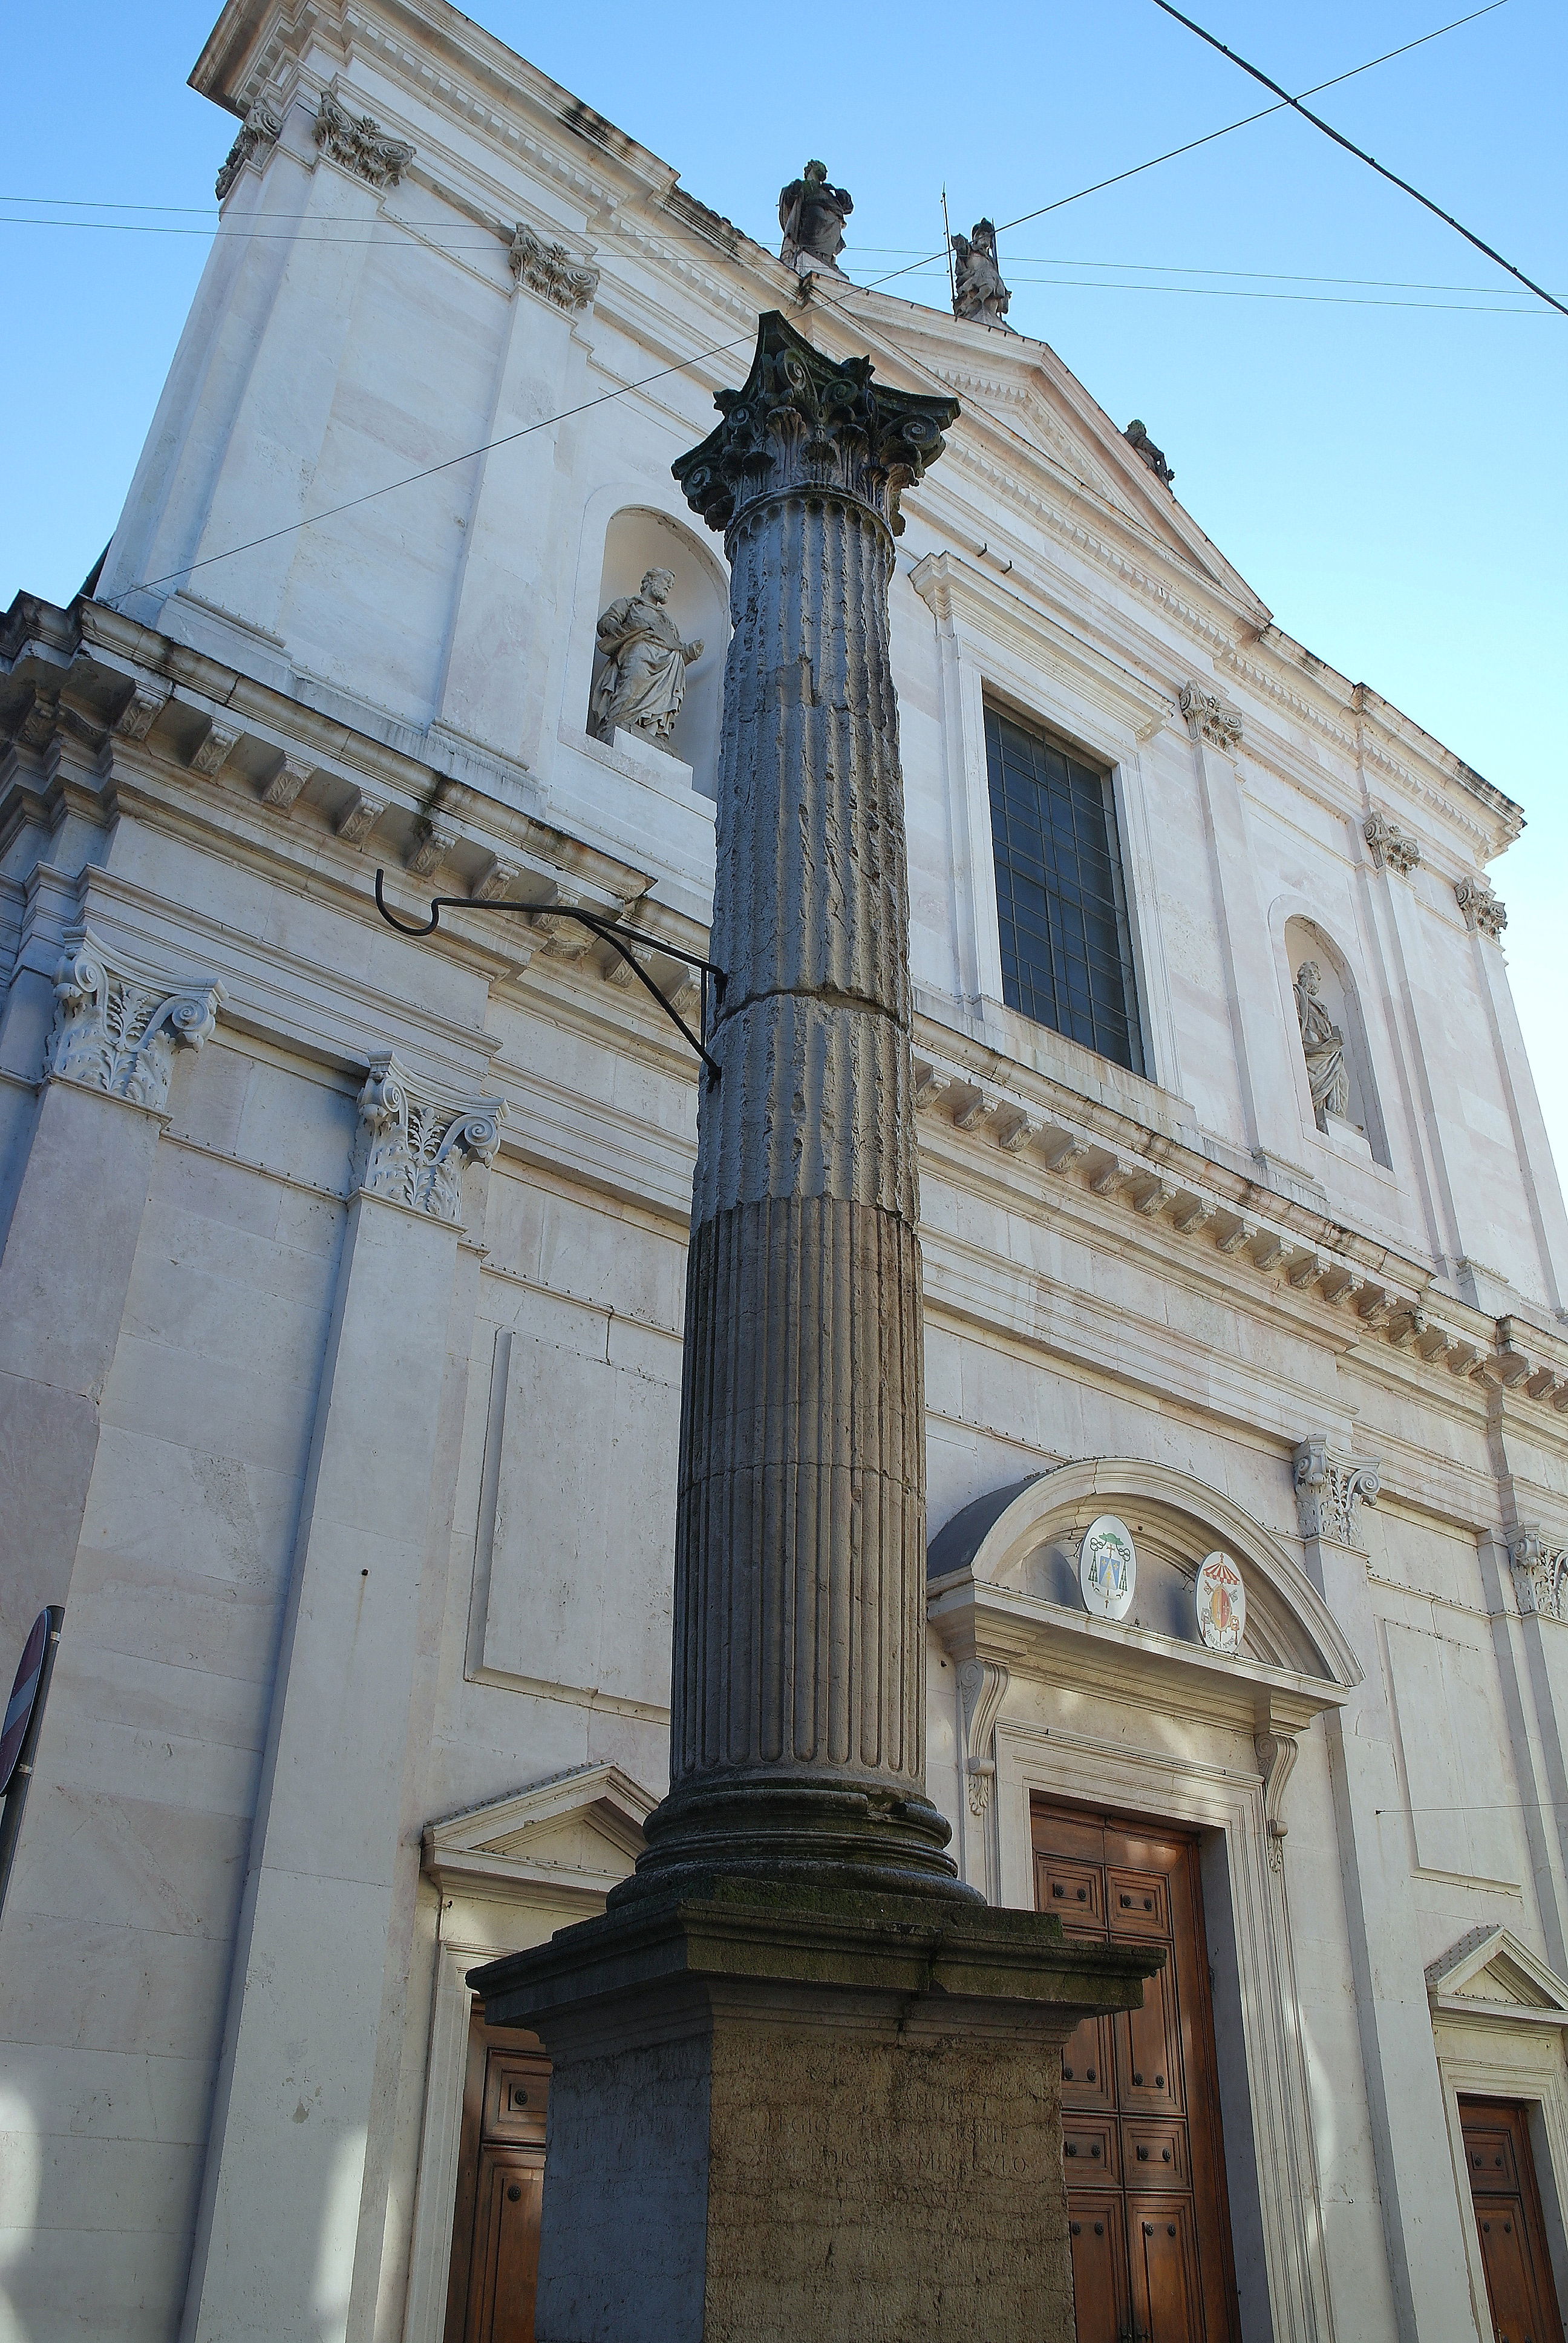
(500, 2186)
(1143, 2155)
(1514, 2253)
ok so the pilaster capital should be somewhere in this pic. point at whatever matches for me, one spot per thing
(1393, 848)
(359, 144)
(415, 1138)
(1484, 913)
(262, 127)
(1210, 718)
(1331, 1490)
(550, 270)
(118, 1023)
(1540, 1573)
(803, 422)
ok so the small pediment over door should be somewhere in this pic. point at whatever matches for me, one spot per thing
(577, 1833)
(1489, 1974)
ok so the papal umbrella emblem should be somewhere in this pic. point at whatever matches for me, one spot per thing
(1221, 1603)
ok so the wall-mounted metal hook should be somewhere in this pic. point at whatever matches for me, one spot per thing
(620, 938)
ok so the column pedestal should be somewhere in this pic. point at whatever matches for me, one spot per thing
(790, 2115)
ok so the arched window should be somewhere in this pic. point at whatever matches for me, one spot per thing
(638, 543)
(1332, 1035)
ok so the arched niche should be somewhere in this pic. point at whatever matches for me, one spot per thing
(637, 540)
(1003, 1580)
(1306, 941)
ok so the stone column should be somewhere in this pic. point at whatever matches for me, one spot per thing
(798, 1695)
(805, 2085)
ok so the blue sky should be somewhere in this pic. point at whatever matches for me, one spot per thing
(1387, 470)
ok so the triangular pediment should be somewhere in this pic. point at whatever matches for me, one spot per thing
(1022, 385)
(1491, 1973)
(581, 1831)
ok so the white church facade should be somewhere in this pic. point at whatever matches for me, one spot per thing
(342, 1275)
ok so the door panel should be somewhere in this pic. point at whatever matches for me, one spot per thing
(500, 2186)
(1520, 2289)
(506, 2264)
(1148, 2050)
(1150, 2226)
(1089, 2066)
(1166, 2296)
(1097, 2232)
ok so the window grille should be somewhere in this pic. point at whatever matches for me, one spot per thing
(1061, 901)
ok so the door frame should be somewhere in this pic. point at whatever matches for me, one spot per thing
(1481, 2057)
(1271, 2156)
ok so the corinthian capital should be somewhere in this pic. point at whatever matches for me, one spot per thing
(1540, 1573)
(414, 1139)
(803, 422)
(117, 1023)
(1210, 717)
(1331, 1491)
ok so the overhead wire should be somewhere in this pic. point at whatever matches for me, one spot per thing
(1192, 144)
(1360, 154)
(717, 349)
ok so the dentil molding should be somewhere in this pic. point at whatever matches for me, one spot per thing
(118, 1023)
(1331, 1490)
(414, 1139)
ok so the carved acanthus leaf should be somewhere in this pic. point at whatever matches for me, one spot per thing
(261, 128)
(982, 1684)
(1540, 1573)
(1210, 717)
(140, 712)
(1331, 1491)
(415, 1140)
(117, 1024)
(1277, 1754)
(360, 146)
(804, 421)
(361, 817)
(1483, 910)
(1393, 848)
(432, 841)
(551, 271)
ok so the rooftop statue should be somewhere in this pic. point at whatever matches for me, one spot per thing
(978, 293)
(644, 680)
(1324, 1046)
(1136, 437)
(812, 214)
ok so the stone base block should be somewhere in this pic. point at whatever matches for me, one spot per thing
(807, 2117)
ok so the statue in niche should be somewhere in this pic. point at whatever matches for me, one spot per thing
(812, 214)
(978, 293)
(1324, 1046)
(1136, 437)
(644, 678)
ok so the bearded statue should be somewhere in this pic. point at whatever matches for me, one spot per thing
(644, 678)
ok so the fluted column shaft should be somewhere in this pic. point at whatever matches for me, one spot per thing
(799, 1646)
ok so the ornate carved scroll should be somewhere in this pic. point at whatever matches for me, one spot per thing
(117, 1024)
(414, 1139)
(360, 146)
(1331, 1490)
